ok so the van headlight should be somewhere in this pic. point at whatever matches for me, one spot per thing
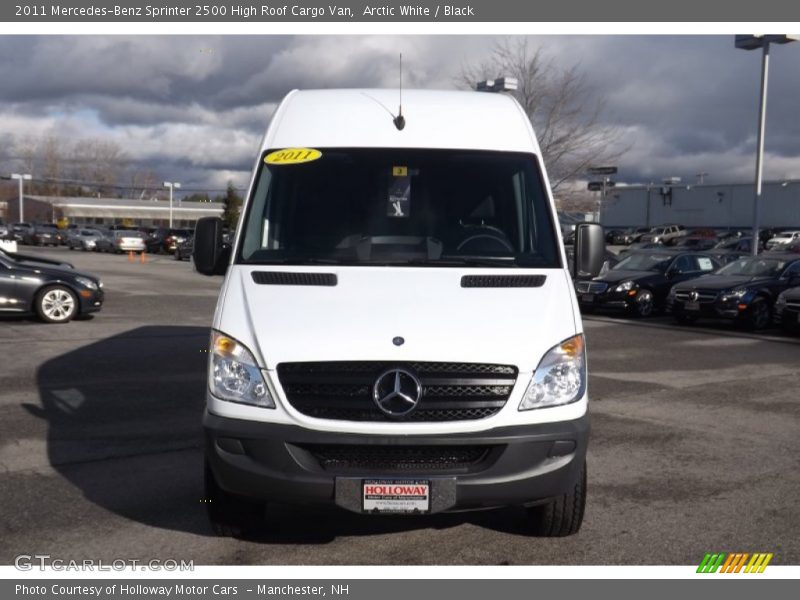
(560, 377)
(233, 373)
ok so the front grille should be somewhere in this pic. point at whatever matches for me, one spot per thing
(591, 287)
(341, 457)
(450, 391)
(702, 295)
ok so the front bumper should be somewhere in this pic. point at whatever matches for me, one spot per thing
(522, 465)
(609, 299)
(706, 310)
(92, 302)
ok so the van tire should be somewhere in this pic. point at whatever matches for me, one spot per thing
(230, 515)
(561, 516)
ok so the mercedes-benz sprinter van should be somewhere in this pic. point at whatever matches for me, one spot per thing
(397, 331)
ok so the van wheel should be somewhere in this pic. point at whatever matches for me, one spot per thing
(56, 304)
(561, 516)
(230, 515)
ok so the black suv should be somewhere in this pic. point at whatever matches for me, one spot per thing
(744, 290)
(640, 282)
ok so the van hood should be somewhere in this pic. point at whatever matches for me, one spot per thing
(360, 316)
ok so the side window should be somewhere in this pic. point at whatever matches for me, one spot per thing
(792, 270)
(683, 264)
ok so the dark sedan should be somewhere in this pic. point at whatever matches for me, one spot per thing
(787, 310)
(640, 282)
(55, 294)
(744, 290)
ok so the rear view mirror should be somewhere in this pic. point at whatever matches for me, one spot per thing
(210, 254)
(590, 249)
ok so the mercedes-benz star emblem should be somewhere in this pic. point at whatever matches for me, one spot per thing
(397, 392)
(693, 296)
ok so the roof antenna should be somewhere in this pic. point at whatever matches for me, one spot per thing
(399, 120)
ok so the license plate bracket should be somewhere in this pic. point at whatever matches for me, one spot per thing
(693, 306)
(396, 496)
(587, 297)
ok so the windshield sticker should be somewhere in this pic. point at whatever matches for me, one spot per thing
(292, 156)
(705, 264)
(399, 196)
(400, 171)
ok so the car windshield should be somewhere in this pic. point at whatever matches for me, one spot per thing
(644, 262)
(401, 207)
(754, 266)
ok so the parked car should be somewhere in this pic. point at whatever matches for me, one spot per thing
(45, 235)
(628, 236)
(787, 310)
(784, 238)
(638, 246)
(21, 230)
(164, 240)
(183, 251)
(55, 293)
(612, 234)
(702, 232)
(666, 234)
(4, 230)
(691, 242)
(640, 282)
(744, 290)
(121, 240)
(83, 239)
(738, 244)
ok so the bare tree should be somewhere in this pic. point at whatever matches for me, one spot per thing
(564, 110)
(101, 162)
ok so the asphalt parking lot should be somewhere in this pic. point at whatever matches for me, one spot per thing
(694, 445)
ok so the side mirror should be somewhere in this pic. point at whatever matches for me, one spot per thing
(590, 249)
(210, 254)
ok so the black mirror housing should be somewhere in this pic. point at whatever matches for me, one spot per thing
(590, 249)
(210, 254)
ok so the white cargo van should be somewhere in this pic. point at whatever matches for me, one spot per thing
(397, 331)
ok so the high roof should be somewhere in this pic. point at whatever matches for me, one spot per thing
(433, 119)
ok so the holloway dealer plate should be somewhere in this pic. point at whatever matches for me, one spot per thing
(396, 495)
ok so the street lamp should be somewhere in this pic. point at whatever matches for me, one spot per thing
(753, 42)
(172, 186)
(21, 177)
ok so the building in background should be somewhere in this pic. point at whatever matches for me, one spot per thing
(111, 211)
(702, 205)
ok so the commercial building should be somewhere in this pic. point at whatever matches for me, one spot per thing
(705, 205)
(111, 211)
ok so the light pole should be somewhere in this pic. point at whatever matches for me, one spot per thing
(21, 177)
(752, 42)
(172, 186)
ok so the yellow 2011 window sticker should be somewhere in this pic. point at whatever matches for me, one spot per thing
(292, 156)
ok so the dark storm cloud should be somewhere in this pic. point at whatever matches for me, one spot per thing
(195, 107)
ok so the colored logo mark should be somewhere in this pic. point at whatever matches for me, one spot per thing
(735, 562)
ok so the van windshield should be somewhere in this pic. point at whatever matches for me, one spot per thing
(401, 207)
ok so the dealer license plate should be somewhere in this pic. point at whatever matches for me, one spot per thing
(692, 306)
(396, 496)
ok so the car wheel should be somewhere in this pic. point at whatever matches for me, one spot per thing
(643, 303)
(230, 515)
(759, 315)
(56, 304)
(561, 516)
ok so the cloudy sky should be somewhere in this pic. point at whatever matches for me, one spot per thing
(194, 108)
